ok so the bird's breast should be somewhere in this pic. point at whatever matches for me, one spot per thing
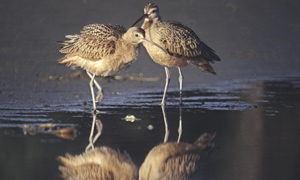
(160, 57)
(124, 55)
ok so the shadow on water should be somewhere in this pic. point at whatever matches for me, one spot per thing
(257, 125)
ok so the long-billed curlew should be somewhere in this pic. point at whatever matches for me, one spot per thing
(184, 47)
(176, 161)
(102, 50)
(100, 163)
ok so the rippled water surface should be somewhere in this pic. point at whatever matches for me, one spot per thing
(257, 125)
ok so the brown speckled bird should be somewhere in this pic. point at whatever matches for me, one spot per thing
(102, 50)
(176, 161)
(184, 47)
(100, 163)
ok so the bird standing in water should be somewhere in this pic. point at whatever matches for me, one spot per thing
(102, 50)
(184, 47)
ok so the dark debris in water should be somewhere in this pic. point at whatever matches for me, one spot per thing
(68, 132)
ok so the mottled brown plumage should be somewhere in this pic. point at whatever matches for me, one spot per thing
(102, 163)
(176, 161)
(184, 47)
(102, 50)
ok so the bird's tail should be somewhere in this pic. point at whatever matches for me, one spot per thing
(208, 55)
(68, 44)
(69, 47)
(204, 140)
(205, 66)
(206, 146)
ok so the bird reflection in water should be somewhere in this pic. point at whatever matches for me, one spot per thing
(166, 124)
(100, 163)
(176, 161)
(166, 161)
(99, 127)
(97, 163)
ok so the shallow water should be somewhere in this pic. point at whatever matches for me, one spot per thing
(257, 125)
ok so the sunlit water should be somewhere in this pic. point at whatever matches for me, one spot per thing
(257, 125)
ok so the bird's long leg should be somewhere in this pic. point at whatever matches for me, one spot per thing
(180, 85)
(166, 124)
(94, 110)
(99, 94)
(99, 126)
(91, 144)
(92, 90)
(166, 86)
(180, 124)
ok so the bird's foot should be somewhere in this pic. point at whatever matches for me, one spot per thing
(98, 112)
(163, 104)
(99, 97)
(95, 111)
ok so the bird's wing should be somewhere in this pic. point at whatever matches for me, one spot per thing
(95, 41)
(180, 40)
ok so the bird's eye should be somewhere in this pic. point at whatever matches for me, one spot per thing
(136, 35)
(154, 11)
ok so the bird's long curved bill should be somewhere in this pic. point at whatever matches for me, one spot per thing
(151, 42)
(141, 18)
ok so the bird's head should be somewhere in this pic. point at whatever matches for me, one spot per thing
(151, 12)
(136, 35)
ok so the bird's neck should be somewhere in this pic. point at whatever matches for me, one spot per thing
(148, 23)
(149, 26)
(126, 39)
